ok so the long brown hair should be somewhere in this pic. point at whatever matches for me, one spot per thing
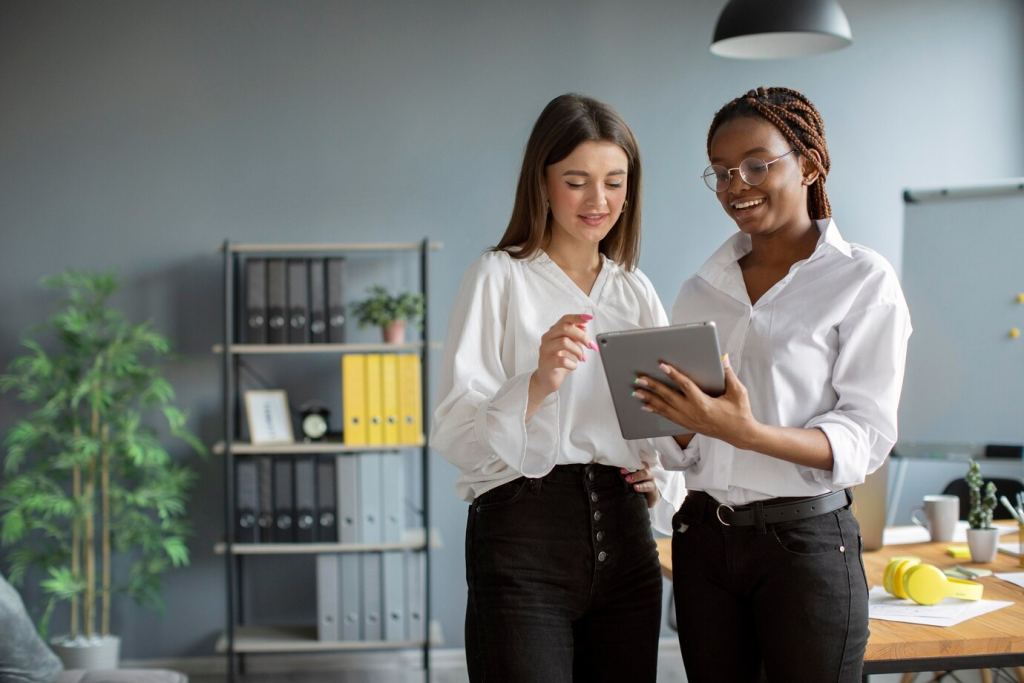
(796, 118)
(567, 121)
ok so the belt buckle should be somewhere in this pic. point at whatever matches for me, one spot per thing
(718, 513)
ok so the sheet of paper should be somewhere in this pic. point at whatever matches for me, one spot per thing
(949, 612)
(902, 535)
(1011, 548)
(1013, 577)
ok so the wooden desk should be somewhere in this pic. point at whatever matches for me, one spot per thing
(989, 641)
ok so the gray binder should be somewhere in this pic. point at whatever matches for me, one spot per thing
(347, 471)
(416, 581)
(370, 529)
(393, 564)
(327, 603)
(298, 301)
(351, 593)
(277, 301)
(317, 302)
(255, 320)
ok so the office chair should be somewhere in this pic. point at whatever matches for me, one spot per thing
(1004, 487)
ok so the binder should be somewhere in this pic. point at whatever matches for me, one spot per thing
(373, 628)
(410, 400)
(371, 532)
(374, 400)
(328, 601)
(416, 605)
(265, 498)
(284, 501)
(347, 471)
(305, 500)
(298, 301)
(353, 398)
(392, 467)
(351, 592)
(255, 301)
(317, 302)
(246, 530)
(389, 398)
(336, 300)
(326, 501)
(277, 296)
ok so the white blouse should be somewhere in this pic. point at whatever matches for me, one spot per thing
(825, 347)
(502, 309)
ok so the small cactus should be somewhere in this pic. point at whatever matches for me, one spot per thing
(980, 516)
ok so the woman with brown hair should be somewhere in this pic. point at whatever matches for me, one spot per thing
(563, 575)
(765, 549)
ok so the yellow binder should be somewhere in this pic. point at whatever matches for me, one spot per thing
(374, 401)
(389, 391)
(410, 400)
(353, 398)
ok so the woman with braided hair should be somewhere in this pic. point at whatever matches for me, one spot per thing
(766, 551)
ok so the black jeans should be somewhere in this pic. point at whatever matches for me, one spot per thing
(791, 596)
(564, 581)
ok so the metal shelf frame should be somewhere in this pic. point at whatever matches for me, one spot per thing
(236, 640)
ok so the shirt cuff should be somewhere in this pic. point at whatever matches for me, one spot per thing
(528, 447)
(850, 451)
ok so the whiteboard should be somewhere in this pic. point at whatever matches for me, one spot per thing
(963, 268)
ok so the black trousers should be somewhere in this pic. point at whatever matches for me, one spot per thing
(791, 597)
(564, 581)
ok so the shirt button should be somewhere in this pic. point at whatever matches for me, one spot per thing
(842, 548)
(600, 535)
(590, 476)
(601, 556)
(597, 516)
(593, 497)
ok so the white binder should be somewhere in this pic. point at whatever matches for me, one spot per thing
(351, 594)
(347, 473)
(371, 531)
(415, 576)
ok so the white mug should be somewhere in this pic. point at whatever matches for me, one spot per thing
(940, 516)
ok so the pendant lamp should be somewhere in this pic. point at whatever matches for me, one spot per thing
(775, 29)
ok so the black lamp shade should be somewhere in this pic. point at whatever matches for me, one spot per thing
(774, 29)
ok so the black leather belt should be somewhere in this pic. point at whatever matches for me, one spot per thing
(782, 512)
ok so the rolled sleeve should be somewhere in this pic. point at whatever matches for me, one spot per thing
(528, 447)
(868, 380)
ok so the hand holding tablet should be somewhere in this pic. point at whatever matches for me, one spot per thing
(692, 349)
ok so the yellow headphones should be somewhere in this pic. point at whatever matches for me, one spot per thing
(925, 584)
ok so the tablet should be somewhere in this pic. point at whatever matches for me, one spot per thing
(692, 348)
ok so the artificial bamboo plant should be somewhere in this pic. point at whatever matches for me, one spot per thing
(86, 474)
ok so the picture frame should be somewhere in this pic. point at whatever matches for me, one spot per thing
(270, 419)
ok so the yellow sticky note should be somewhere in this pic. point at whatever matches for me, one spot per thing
(959, 551)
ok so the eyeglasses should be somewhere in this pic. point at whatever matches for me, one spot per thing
(753, 171)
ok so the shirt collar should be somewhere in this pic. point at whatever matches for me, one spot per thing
(738, 246)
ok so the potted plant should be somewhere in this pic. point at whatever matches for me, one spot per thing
(982, 537)
(389, 312)
(85, 475)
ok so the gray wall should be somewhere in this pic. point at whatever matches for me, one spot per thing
(138, 135)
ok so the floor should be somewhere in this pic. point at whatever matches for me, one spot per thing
(668, 672)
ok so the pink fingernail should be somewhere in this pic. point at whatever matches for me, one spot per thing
(584, 358)
(629, 478)
(647, 409)
(640, 382)
(623, 470)
(592, 345)
(587, 317)
(664, 368)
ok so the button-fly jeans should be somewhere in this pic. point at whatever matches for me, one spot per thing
(564, 581)
(790, 596)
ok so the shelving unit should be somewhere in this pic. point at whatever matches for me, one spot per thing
(241, 639)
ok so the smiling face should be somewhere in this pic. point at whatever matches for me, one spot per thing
(587, 190)
(778, 203)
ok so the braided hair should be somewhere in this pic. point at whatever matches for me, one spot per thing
(796, 118)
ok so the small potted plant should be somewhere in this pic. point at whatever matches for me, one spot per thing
(982, 537)
(389, 312)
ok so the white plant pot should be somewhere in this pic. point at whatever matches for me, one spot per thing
(984, 544)
(90, 654)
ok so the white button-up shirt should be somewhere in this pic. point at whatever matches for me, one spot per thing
(825, 347)
(502, 309)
